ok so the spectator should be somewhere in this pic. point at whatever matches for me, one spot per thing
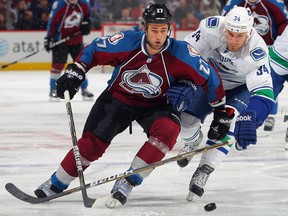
(2, 22)
(26, 22)
(44, 20)
(129, 4)
(136, 13)
(42, 8)
(115, 10)
(190, 22)
(213, 8)
(199, 9)
(18, 10)
(181, 12)
(126, 15)
(97, 9)
(171, 4)
(3, 7)
(2, 15)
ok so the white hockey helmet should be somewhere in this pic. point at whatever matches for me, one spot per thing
(239, 19)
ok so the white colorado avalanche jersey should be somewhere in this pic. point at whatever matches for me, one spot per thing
(249, 65)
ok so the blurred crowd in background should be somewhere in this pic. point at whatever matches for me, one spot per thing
(34, 14)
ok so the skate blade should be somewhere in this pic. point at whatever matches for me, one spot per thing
(112, 203)
(87, 98)
(190, 196)
(101, 201)
(53, 99)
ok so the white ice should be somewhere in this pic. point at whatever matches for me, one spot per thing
(35, 136)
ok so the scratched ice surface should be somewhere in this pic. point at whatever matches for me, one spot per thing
(35, 136)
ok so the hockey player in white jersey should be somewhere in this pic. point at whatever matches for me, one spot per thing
(279, 65)
(240, 55)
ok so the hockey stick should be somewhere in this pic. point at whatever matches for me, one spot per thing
(19, 194)
(32, 54)
(88, 202)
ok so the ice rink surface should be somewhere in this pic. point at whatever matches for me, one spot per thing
(35, 136)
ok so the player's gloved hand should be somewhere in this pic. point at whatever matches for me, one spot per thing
(85, 27)
(245, 130)
(71, 80)
(181, 95)
(48, 43)
(221, 123)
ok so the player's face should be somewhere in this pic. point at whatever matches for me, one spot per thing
(156, 37)
(235, 41)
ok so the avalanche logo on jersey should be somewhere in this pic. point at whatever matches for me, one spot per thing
(192, 51)
(72, 20)
(142, 81)
(258, 53)
(114, 39)
(261, 23)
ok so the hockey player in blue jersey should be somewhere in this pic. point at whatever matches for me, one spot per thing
(146, 65)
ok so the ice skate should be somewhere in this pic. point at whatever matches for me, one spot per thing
(286, 135)
(286, 140)
(46, 189)
(86, 95)
(198, 181)
(269, 124)
(53, 97)
(188, 147)
(120, 192)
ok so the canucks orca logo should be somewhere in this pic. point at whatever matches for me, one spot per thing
(142, 81)
(258, 54)
(4, 47)
(212, 22)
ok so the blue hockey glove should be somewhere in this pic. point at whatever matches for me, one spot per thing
(71, 80)
(245, 130)
(181, 95)
(221, 123)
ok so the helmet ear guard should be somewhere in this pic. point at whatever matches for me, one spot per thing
(239, 19)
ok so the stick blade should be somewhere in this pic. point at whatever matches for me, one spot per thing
(19, 194)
